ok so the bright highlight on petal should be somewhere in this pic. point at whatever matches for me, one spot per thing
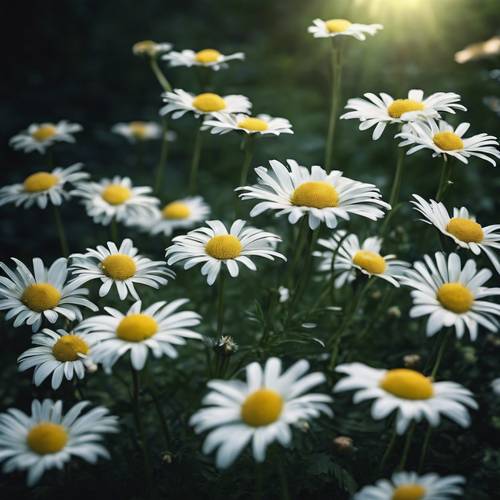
(176, 210)
(209, 102)
(224, 246)
(206, 56)
(338, 25)
(401, 106)
(47, 437)
(69, 348)
(370, 261)
(253, 124)
(41, 181)
(119, 266)
(409, 492)
(407, 384)
(44, 132)
(465, 230)
(137, 327)
(116, 194)
(315, 194)
(448, 141)
(262, 407)
(41, 297)
(455, 297)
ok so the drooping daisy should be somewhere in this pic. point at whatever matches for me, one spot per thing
(158, 328)
(365, 257)
(441, 138)
(64, 354)
(411, 393)
(451, 295)
(214, 245)
(222, 123)
(323, 197)
(342, 27)
(180, 102)
(119, 266)
(138, 131)
(116, 198)
(45, 293)
(261, 410)
(381, 111)
(150, 48)
(178, 214)
(462, 228)
(40, 136)
(43, 187)
(411, 486)
(47, 439)
(208, 58)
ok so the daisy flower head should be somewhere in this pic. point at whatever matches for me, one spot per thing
(342, 27)
(48, 439)
(29, 297)
(64, 354)
(150, 48)
(121, 266)
(411, 486)
(443, 139)
(42, 188)
(138, 131)
(222, 123)
(207, 58)
(462, 228)
(365, 257)
(379, 111)
(295, 191)
(452, 295)
(40, 136)
(158, 328)
(180, 102)
(214, 246)
(116, 198)
(413, 395)
(259, 410)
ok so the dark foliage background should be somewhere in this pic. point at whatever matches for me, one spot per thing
(72, 60)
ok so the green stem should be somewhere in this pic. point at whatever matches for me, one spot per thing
(114, 230)
(424, 448)
(161, 415)
(193, 176)
(306, 271)
(162, 80)
(395, 190)
(440, 353)
(163, 158)
(140, 155)
(60, 231)
(299, 244)
(285, 495)
(220, 304)
(336, 60)
(445, 177)
(389, 449)
(50, 157)
(406, 448)
(259, 481)
(248, 148)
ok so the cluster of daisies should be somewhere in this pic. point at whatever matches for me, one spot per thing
(73, 338)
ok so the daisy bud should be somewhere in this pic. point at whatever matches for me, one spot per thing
(376, 295)
(284, 294)
(303, 425)
(343, 445)
(412, 361)
(469, 355)
(394, 312)
(225, 346)
(167, 457)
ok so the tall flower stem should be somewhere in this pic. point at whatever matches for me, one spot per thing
(406, 449)
(299, 244)
(307, 269)
(60, 231)
(114, 230)
(160, 169)
(440, 353)
(195, 163)
(336, 58)
(445, 177)
(248, 147)
(389, 449)
(285, 495)
(395, 189)
(162, 80)
(424, 448)
(220, 304)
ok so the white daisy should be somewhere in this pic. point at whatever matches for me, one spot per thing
(411, 486)
(207, 58)
(178, 214)
(150, 48)
(180, 102)
(342, 27)
(462, 228)
(47, 439)
(45, 293)
(40, 136)
(138, 131)
(451, 295)
(222, 123)
(365, 257)
(116, 198)
(64, 354)
(380, 111)
(157, 328)
(214, 245)
(441, 138)
(43, 187)
(295, 191)
(495, 385)
(119, 266)
(411, 393)
(261, 410)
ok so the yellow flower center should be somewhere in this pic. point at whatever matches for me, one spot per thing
(136, 327)
(224, 246)
(401, 106)
(409, 492)
(69, 347)
(370, 261)
(209, 102)
(262, 407)
(316, 194)
(116, 194)
(176, 210)
(41, 181)
(45, 438)
(206, 56)
(144, 47)
(44, 132)
(337, 25)
(119, 266)
(41, 296)
(448, 141)
(455, 297)
(253, 124)
(407, 384)
(139, 129)
(465, 230)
